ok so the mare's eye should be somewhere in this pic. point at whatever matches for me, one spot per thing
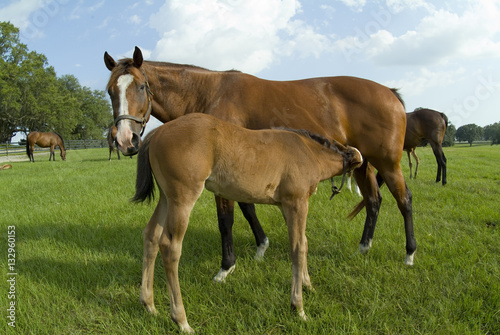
(141, 87)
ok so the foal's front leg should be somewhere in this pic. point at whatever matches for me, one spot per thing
(151, 236)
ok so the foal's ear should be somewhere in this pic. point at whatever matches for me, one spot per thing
(138, 57)
(109, 61)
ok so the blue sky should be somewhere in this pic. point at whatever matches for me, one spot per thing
(443, 55)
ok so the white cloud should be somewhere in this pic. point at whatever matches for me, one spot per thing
(440, 37)
(225, 34)
(18, 12)
(356, 5)
(416, 83)
(135, 19)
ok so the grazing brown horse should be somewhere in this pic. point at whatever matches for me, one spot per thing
(111, 141)
(353, 111)
(197, 151)
(45, 140)
(426, 126)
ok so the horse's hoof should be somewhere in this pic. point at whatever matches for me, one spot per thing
(363, 248)
(261, 250)
(409, 259)
(303, 315)
(186, 329)
(221, 276)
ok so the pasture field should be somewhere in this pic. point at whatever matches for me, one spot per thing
(78, 256)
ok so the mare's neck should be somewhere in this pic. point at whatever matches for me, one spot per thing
(180, 90)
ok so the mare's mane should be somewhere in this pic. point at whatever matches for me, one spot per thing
(123, 66)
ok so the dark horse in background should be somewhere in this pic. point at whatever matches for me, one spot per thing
(45, 140)
(353, 111)
(426, 126)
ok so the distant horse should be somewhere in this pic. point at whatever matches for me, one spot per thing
(197, 151)
(5, 167)
(45, 140)
(111, 141)
(426, 126)
(353, 111)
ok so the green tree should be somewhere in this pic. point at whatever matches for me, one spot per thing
(449, 136)
(470, 133)
(492, 133)
(33, 98)
(12, 52)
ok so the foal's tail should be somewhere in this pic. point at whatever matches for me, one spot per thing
(144, 184)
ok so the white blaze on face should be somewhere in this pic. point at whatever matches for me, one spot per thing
(124, 134)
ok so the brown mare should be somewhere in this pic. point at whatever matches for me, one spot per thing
(426, 126)
(353, 111)
(45, 140)
(197, 151)
(111, 141)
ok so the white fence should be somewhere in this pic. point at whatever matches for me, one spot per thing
(15, 149)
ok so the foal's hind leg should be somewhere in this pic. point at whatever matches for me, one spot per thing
(151, 235)
(295, 214)
(178, 211)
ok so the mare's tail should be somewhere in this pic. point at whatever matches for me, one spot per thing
(362, 204)
(144, 184)
(28, 148)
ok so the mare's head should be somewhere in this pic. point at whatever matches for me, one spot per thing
(128, 89)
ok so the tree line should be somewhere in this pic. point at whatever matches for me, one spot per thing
(32, 97)
(471, 133)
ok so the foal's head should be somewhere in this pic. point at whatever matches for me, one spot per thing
(128, 89)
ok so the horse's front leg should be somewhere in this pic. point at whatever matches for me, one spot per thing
(225, 217)
(171, 249)
(261, 239)
(151, 236)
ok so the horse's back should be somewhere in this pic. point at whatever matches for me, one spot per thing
(353, 111)
(424, 124)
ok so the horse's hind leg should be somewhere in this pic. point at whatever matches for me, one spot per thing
(151, 236)
(295, 215)
(52, 154)
(365, 177)
(408, 152)
(441, 162)
(417, 161)
(261, 239)
(397, 185)
(225, 217)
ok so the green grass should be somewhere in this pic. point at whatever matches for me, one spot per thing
(79, 256)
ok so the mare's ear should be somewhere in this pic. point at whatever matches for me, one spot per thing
(109, 61)
(138, 57)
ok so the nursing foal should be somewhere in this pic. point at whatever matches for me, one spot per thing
(276, 167)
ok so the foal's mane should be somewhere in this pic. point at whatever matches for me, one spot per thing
(309, 134)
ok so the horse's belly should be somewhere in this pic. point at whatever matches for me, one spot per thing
(242, 192)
